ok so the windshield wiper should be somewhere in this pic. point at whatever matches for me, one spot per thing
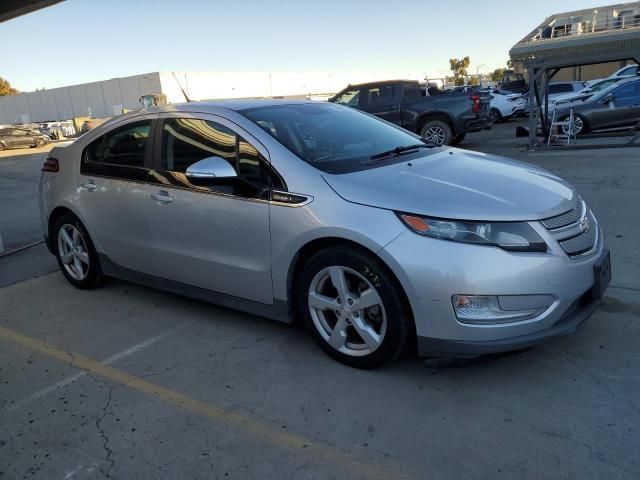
(400, 150)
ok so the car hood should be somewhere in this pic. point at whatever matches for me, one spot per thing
(458, 184)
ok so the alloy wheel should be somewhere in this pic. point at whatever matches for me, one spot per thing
(347, 311)
(578, 125)
(73, 252)
(435, 135)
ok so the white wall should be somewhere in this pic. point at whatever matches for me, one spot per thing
(96, 99)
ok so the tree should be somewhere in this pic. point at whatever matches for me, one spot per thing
(498, 74)
(6, 88)
(459, 69)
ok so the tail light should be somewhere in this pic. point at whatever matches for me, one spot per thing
(475, 105)
(50, 165)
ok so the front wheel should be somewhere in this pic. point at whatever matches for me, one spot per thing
(40, 142)
(76, 254)
(353, 307)
(437, 131)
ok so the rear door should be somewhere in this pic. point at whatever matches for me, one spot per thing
(7, 137)
(112, 193)
(211, 233)
(383, 100)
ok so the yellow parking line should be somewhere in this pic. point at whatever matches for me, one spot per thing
(268, 433)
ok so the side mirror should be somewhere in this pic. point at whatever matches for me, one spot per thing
(211, 167)
(608, 98)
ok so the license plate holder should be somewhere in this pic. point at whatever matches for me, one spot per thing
(601, 275)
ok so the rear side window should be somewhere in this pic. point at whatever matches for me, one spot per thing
(123, 146)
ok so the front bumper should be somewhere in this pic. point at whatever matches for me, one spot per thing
(569, 322)
(431, 271)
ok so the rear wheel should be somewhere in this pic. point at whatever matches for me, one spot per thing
(75, 253)
(40, 142)
(495, 115)
(437, 131)
(353, 307)
(1, 146)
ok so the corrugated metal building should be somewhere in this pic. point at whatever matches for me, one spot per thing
(109, 97)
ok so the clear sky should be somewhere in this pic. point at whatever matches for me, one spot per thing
(79, 41)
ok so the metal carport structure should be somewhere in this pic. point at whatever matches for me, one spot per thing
(571, 39)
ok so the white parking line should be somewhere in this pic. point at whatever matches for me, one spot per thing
(108, 361)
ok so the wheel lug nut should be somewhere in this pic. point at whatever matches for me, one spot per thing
(350, 301)
(356, 314)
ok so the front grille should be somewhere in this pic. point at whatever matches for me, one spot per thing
(575, 230)
(564, 219)
(583, 242)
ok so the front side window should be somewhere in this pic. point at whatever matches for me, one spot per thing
(186, 141)
(627, 95)
(124, 146)
(350, 98)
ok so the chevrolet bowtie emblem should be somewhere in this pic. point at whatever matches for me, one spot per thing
(585, 225)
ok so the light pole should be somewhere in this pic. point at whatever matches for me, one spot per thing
(478, 73)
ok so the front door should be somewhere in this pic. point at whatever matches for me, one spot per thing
(113, 195)
(624, 110)
(210, 233)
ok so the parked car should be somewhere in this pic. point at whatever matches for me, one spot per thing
(505, 105)
(592, 88)
(627, 71)
(617, 106)
(315, 211)
(441, 119)
(57, 130)
(20, 138)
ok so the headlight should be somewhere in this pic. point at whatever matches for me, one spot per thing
(513, 236)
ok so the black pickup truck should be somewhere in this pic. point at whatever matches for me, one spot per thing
(442, 119)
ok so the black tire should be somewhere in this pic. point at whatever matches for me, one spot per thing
(495, 114)
(1, 146)
(40, 142)
(94, 276)
(437, 131)
(394, 306)
(458, 139)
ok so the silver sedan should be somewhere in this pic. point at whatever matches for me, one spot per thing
(316, 212)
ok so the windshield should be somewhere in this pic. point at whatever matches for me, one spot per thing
(331, 137)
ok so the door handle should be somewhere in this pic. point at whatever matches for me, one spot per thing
(162, 197)
(89, 185)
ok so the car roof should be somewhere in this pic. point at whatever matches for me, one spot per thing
(235, 105)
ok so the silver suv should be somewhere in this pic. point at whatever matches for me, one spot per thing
(318, 212)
